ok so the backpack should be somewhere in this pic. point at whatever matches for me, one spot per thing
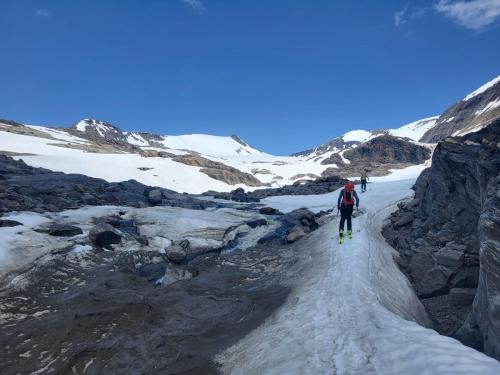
(348, 194)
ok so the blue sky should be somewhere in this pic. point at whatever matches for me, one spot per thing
(284, 75)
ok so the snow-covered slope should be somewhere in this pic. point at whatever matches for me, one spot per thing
(474, 112)
(183, 163)
(210, 145)
(351, 310)
(415, 130)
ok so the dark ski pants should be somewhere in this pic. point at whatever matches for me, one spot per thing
(346, 213)
(363, 185)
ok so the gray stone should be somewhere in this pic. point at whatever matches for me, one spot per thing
(450, 258)
(104, 235)
(175, 253)
(155, 196)
(152, 271)
(462, 296)
(405, 219)
(269, 211)
(256, 223)
(296, 233)
(434, 282)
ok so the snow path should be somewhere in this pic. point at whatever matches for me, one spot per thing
(352, 311)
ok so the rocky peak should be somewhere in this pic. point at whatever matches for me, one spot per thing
(470, 114)
(99, 132)
(239, 140)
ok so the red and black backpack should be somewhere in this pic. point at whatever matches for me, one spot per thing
(348, 195)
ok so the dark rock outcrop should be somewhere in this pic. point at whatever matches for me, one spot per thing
(64, 230)
(448, 237)
(313, 187)
(101, 132)
(9, 223)
(270, 211)
(377, 155)
(218, 171)
(25, 188)
(256, 223)
(387, 149)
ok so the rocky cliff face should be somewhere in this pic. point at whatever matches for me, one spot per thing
(448, 238)
(378, 156)
(472, 113)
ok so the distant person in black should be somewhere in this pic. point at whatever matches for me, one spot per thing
(364, 178)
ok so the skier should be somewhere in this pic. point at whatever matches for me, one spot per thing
(345, 204)
(364, 178)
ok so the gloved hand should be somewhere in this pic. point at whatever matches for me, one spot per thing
(338, 208)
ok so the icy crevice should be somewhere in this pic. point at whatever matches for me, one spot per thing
(352, 311)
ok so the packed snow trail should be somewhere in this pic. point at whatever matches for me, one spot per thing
(352, 311)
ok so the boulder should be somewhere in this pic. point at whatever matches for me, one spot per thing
(152, 271)
(434, 282)
(303, 217)
(175, 253)
(155, 196)
(405, 219)
(450, 258)
(270, 211)
(104, 235)
(295, 233)
(63, 230)
(256, 223)
(462, 296)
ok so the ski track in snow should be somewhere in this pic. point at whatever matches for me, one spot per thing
(352, 311)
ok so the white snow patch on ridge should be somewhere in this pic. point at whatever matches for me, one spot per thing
(208, 145)
(414, 130)
(482, 89)
(357, 136)
(136, 139)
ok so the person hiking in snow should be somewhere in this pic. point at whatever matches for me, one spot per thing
(364, 178)
(345, 204)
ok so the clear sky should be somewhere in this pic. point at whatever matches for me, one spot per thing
(285, 75)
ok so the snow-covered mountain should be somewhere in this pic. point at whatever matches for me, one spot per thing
(472, 113)
(188, 163)
(412, 131)
(198, 162)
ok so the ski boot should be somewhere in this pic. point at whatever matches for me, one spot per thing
(341, 237)
(349, 234)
